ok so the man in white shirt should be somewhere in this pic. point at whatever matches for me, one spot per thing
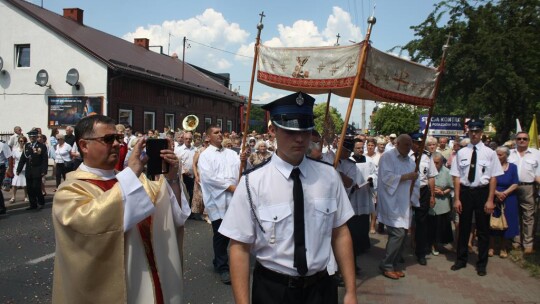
(185, 156)
(128, 136)
(391, 142)
(289, 213)
(219, 169)
(394, 201)
(13, 138)
(118, 236)
(527, 161)
(474, 169)
(427, 173)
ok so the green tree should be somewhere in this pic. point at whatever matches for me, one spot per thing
(397, 118)
(492, 63)
(319, 111)
(257, 119)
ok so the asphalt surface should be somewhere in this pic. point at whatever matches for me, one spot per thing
(27, 248)
(27, 255)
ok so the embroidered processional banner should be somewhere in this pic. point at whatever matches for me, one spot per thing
(319, 70)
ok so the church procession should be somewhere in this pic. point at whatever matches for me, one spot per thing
(160, 183)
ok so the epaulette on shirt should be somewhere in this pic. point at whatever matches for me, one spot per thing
(266, 161)
(426, 152)
(320, 161)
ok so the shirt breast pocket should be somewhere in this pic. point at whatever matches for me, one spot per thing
(276, 221)
(464, 165)
(325, 210)
(530, 165)
(485, 170)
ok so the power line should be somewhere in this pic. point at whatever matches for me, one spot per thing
(221, 50)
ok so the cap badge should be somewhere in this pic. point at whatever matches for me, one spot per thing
(299, 100)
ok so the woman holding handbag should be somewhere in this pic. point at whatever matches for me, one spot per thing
(506, 201)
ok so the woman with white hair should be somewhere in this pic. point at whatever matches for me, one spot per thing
(505, 198)
(261, 153)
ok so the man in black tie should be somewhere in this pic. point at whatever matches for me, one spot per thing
(474, 168)
(290, 212)
(35, 158)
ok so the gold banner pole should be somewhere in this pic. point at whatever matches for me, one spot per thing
(363, 57)
(250, 96)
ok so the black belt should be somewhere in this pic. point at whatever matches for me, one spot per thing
(526, 184)
(473, 188)
(289, 281)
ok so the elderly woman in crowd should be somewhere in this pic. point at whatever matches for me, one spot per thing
(439, 221)
(505, 196)
(431, 144)
(62, 159)
(19, 180)
(261, 153)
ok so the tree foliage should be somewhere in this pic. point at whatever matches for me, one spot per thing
(493, 60)
(257, 119)
(397, 118)
(319, 111)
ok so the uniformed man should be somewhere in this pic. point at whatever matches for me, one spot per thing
(527, 161)
(289, 212)
(35, 158)
(426, 176)
(474, 169)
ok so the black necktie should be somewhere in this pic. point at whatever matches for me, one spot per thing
(300, 261)
(472, 168)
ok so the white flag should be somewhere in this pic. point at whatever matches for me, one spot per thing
(318, 70)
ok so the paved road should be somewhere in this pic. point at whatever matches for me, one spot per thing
(27, 241)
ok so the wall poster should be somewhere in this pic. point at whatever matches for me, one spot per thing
(68, 110)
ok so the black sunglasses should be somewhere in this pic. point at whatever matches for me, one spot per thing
(522, 138)
(109, 138)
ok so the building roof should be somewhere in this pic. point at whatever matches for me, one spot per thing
(119, 54)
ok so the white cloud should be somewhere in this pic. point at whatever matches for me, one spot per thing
(209, 28)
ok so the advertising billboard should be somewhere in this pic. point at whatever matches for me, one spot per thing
(68, 110)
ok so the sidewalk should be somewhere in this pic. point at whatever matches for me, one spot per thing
(505, 282)
(50, 185)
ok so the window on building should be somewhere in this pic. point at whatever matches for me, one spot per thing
(149, 121)
(229, 126)
(169, 121)
(23, 55)
(207, 122)
(220, 123)
(125, 117)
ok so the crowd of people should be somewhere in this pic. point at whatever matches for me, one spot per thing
(301, 219)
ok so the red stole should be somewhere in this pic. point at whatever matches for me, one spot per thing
(145, 230)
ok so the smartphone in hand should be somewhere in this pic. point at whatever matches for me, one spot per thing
(156, 164)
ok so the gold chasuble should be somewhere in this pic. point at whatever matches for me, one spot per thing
(97, 262)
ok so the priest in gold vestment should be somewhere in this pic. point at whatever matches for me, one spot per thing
(118, 235)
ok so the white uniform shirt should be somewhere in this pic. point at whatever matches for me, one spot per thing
(487, 165)
(218, 168)
(326, 206)
(528, 166)
(394, 197)
(427, 168)
(186, 158)
(137, 203)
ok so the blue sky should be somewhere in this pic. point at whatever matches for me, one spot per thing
(231, 25)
